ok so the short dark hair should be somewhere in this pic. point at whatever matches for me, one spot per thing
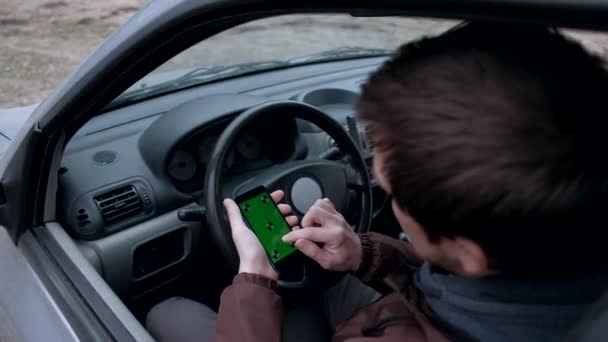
(498, 133)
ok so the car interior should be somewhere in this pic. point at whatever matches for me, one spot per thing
(132, 180)
(139, 185)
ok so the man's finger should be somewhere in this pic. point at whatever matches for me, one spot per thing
(277, 196)
(292, 220)
(312, 250)
(284, 208)
(313, 216)
(326, 203)
(234, 214)
(315, 234)
(318, 215)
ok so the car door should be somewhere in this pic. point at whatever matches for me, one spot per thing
(27, 311)
(45, 295)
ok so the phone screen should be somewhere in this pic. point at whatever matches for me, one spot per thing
(267, 222)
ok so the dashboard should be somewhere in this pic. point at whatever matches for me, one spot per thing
(126, 173)
(258, 147)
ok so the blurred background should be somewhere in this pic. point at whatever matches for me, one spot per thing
(42, 41)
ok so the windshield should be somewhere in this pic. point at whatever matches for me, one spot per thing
(280, 42)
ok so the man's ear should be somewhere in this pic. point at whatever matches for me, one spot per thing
(473, 261)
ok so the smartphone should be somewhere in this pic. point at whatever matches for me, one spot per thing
(263, 217)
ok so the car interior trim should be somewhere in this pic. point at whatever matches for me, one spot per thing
(32, 313)
(116, 251)
(66, 296)
(101, 298)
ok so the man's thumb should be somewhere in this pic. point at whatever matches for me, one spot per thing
(234, 214)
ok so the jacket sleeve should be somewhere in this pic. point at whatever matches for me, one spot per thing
(386, 260)
(250, 310)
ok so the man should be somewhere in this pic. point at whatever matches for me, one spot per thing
(490, 140)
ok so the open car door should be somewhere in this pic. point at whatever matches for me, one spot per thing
(27, 310)
(44, 294)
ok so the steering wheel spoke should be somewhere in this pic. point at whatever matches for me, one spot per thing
(354, 179)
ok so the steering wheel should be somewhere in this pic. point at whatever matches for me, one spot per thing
(304, 181)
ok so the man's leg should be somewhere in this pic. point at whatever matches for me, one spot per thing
(342, 300)
(303, 320)
(181, 320)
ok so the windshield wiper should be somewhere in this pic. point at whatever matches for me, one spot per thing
(345, 52)
(198, 76)
(208, 74)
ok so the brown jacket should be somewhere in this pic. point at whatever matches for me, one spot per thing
(251, 310)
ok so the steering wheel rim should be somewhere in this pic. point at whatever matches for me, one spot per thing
(212, 198)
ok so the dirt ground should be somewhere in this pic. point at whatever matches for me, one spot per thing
(44, 40)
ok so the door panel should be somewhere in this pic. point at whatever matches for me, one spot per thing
(27, 312)
(103, 300)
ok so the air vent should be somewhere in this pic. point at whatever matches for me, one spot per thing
(105, 157)
(119, 204)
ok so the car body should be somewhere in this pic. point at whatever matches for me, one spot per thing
(56, 283)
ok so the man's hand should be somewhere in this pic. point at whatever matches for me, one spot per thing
(253, 258)
(327, 238)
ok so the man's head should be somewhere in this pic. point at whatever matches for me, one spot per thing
(491, 140)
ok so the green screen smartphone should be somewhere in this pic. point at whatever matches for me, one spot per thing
(268, 224)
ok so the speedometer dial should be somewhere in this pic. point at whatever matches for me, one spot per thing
(182, 166)
(249, 146)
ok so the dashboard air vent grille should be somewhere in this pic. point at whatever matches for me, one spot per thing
(119, 204)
